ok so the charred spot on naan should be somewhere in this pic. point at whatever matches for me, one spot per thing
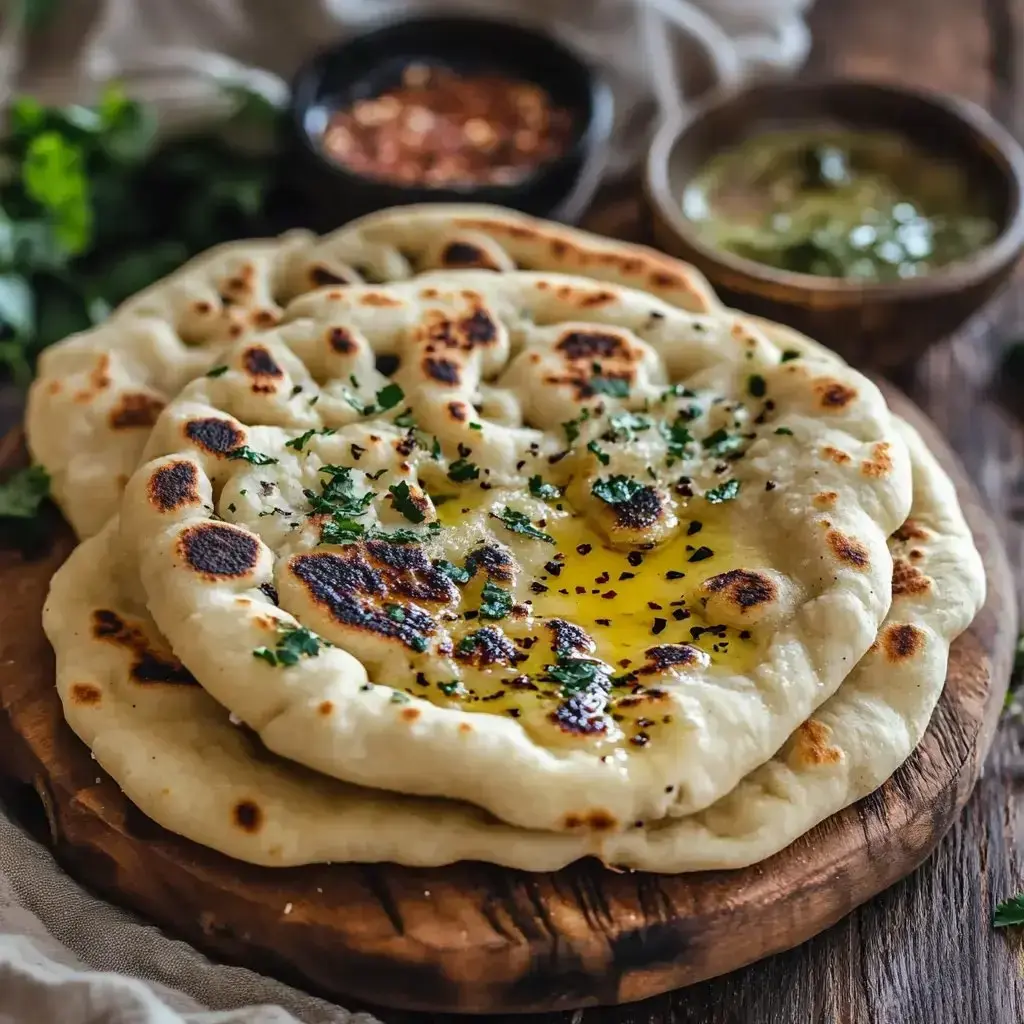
(908, 580)
(640, 511)
(880, 463)
(811, 745)
(494, 560)
(218, 551)
(214, 435)
(149, 665)
(85, 694)
(743, 589)
(320, 275)
(911, 530)
(471, 252)
(174, 486)
(441, 371)
(261, 366)
(99, 380)
(248, 816)
(599, 821)
(136, 410)
(568, 637)
(847, 550)
(486, 648)
(901, 641)
(354, 592)
(340, 340)
(664, 657)
(477, 329)
(833, 395)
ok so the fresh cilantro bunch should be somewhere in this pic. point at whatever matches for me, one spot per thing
(92, 209)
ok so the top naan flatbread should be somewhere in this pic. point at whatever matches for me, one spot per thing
(584, 558)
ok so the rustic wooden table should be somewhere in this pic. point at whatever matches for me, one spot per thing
(924, 951)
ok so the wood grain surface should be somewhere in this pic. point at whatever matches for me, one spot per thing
(924, 950)
(474, 937)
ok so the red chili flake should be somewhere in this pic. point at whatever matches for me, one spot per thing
(603, 578)
(603, 622)
(562, 590)
(584, 549)
(695, 527)
(641, 739)
(556, 458)
(514, 712)
(538, 588)
(680, 614)
(674, 574)
(745, 634)
(627, 576)
(634, 558)
(659, 626)
(645, 723)
(609, 594)
(553, 567)
(440, 128)
(654, 606)
(581, 590)
(625, 662)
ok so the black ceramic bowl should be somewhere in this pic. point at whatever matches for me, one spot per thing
(366, 65)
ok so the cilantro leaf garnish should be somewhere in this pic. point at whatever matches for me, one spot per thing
(251, 456)
(518, 522)
(623, 425)
(338, 496)
(451, 688)
(341, 530)
(677, 436)
(576, 674)
(399, 536)
(677, 391)
(299, 442)
(784, 431)
(572, 427)
(599, 453)
(404, 502)
(756, 385)
(217, 371)
(454, 572)
(617, 489)
(613, 387)
(723, 492)
(22, 494)
(292, 644)
(788, 354)
(721, 442)
(462, 470)
(389, 396)
(1009, 912)
(495, 603)
(405, 419)
(539, 488)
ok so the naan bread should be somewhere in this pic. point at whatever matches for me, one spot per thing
(175, 753)
(716, 567)
(98, 393)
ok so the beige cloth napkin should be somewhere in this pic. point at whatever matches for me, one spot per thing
(65, 956)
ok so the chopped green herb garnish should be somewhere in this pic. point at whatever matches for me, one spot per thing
(613, 387)
(292, 644)
(545, 491)
(517, 522)
(576, 674)
(495, 602)
(572, 427)
(721, 443)
(454, 572)
(254, 457)
(217, 371)
(450, 689)
(389, 396)
(405, 503)
(1009, 912)
(723, 492)
(338, 496)
(784, 430)
(599, 453)
(677, 391)
(395, 612)
(789, 354)
(341, 530)
(435, 449)
(299, 442)
(624, 424)
(462, 470)
(756, 385)
(677, 436)
(476, 426)
(616, 490)
(405, 419)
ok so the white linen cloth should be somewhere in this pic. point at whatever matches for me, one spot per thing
(65, 956)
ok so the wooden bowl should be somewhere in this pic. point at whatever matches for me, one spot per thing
(879, 326)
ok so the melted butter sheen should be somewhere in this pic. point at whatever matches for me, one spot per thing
(625, 601)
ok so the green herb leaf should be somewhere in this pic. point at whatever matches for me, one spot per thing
(22, 494)
(572, 427)
(299, 442)
(518, 522)
(292, 644)
(677, 436)
(341, 530)
(389, 396)
(218, 371)
(576, 674)
(617, 489)
(785, 431)
(463, 469)
(613, 387)
(404, 503)
(451, 688)
(677, 391)
(252, 456)
(722, 443)
(623, 425)
(338, 496)
(545, 491)
(495, 603)
(405, 420)
(395, 612)
(454, 572)
(1009, 912)
(599, 453)
(723, 492)
(789, 354)
(756, 385)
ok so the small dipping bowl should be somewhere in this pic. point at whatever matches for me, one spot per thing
(884, 326)
(366, 66)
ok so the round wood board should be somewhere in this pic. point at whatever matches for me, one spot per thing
(474, 937)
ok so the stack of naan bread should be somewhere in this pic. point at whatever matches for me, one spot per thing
(460, 535)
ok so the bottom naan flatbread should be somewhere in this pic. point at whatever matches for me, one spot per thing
(176, 755)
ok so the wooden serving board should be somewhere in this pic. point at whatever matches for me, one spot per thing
(479, 938)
